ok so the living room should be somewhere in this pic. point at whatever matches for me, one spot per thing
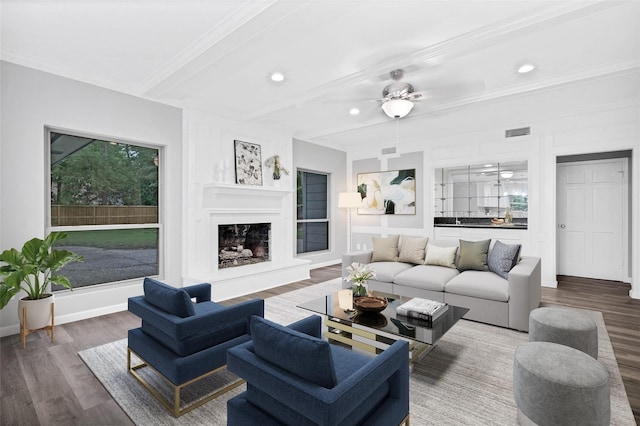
(582, 100)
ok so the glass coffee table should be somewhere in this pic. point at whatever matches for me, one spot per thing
(374, 332)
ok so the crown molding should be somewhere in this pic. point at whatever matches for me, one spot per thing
(223, 29)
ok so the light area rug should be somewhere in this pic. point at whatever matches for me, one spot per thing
(465, 380)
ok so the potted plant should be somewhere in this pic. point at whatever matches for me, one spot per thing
(278, 168)
(32, 271)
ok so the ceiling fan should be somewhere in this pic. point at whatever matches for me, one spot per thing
(399, 96)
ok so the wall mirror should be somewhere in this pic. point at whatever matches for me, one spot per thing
(482, 190)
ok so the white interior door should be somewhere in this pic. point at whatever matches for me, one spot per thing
(590, 215)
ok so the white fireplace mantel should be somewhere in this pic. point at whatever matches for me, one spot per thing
(229, 204)
(246, 190)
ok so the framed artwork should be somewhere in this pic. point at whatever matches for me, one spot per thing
(389, 192)
(248, 163)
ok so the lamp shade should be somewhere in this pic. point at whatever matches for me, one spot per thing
(349, 199)
(397, 108)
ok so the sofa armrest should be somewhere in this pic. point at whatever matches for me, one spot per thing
(201, 292)
(221, 319)
(362, 256)
(310, 325)
(319, 404)
(524, 291)
(180, 328)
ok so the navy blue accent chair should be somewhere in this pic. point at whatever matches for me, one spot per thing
(296, 378)
(184, 337)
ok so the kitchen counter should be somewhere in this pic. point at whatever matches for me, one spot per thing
(481, 225)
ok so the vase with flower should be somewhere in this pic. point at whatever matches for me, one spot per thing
(359, 275)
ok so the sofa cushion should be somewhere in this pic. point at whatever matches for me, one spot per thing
(481, 284)
(386, 271)
(502, 258)
(298, 353)
(385, 249)
(473, 255)
(441, 256)
(426, 277)
(175, 301)
(412, 250)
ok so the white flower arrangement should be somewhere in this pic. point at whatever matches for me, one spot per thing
(359, 273)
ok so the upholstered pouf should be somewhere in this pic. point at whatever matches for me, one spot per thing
(564, 326)
(558, 385)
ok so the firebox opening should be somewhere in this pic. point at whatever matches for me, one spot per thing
(243, 244)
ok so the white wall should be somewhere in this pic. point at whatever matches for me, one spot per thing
(316, 158)
(32, 100)
(208, 141)
(591, 116)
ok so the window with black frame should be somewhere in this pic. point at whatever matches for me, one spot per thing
(312, 212)
(104, 195)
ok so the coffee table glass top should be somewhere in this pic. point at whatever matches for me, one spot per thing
(336, 306)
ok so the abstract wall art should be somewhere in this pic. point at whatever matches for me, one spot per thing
(248, 163)
(388, 192)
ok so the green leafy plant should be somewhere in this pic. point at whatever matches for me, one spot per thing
(31, 269)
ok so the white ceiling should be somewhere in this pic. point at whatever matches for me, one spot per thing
(335, 55)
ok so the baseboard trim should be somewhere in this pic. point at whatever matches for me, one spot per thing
(64, 319)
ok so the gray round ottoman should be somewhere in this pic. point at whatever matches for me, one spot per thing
(558, 385)
(566, 327)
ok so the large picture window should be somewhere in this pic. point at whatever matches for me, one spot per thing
(312, 219)
(104, 195)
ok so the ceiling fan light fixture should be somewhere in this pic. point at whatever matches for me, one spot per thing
(397, 108)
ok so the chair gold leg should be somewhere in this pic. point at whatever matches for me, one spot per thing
(175, 407)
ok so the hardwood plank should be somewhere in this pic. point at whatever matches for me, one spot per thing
(48, 384)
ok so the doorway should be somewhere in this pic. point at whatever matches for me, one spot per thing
(592, 233)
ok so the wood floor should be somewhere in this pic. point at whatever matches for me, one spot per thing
(48, 383)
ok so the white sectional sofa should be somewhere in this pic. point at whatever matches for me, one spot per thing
(490, 298)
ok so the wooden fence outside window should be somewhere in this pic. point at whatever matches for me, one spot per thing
(102, 215)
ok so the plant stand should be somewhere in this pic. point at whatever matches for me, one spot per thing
(24, 332)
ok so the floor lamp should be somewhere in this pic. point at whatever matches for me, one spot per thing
(348, 200)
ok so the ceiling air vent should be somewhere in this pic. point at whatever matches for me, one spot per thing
(388, 151)
(512, 133)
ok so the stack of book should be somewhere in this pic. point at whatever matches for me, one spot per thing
(424, 309)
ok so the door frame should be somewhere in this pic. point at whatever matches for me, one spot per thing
(626, 203)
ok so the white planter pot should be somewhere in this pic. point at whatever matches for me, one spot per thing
(38, 312)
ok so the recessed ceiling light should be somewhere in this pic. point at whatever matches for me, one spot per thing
(354, 111)
(277, 76)
(526, 68)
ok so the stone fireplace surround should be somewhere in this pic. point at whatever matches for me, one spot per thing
(224, 204)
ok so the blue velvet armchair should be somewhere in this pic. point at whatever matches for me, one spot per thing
(296, 378)
(185, 341)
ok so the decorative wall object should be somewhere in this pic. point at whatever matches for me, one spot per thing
(388, 192)
(278, 169)
(248, 163)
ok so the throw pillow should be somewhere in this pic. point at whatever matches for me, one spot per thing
(412, 250)
(175, 301)
(473, 255)
(385, 249)
(503, 258)
(298, 353)
(441, 256)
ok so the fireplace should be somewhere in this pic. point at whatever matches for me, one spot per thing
(243, 244)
